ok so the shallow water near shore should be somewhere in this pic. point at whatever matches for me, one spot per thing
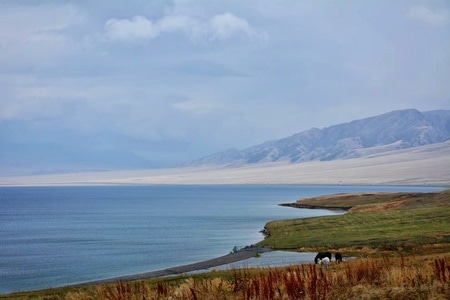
(55, 236)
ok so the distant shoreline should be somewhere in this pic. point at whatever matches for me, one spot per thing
(87, 184)
(307, 206)
(426, 166)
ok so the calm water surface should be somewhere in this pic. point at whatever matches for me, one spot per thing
(54, 236)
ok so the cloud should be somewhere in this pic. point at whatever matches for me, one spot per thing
(40, 29)
(219, 27)
(427, 16)
(226, 25)
(205, 74)
(138, 28)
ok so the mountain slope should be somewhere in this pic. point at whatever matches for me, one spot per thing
(395, 130)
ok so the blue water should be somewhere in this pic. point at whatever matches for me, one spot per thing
(55, 236)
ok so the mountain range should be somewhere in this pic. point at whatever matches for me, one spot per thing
(396, 130)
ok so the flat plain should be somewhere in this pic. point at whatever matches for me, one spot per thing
(426, 165)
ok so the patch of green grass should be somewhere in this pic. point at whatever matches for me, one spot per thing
(430, 225)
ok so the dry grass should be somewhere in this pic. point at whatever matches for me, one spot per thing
(411, 277)
(373, 202)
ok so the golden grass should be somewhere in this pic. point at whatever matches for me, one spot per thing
(361, 202)
(388, 277)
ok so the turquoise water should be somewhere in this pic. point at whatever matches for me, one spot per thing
(55, 236)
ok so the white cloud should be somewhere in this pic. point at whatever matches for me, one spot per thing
(426, 15)
(138, 28)
(226, 25)
(219, 27)
(208, 77)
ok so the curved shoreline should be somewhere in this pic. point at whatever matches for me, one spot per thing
(202, 265)
(308, 206)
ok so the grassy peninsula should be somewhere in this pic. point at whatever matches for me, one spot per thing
(383, 221)
(401, 242)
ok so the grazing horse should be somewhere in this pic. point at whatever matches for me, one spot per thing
(321, 255)
(338, 257)
(324, 262)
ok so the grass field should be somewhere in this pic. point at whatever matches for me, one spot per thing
(377, 229)
(401, 242)
(381, 220)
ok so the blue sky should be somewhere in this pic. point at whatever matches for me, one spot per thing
(112, 84)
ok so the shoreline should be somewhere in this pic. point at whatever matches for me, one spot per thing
(230, 258)
(233, 257)
(309, 206)
(247, 253)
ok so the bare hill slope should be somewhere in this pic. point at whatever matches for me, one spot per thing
(394, 130)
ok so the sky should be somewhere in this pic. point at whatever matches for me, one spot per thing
(109, 84)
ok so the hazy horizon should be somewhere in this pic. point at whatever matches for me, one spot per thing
(110, 85)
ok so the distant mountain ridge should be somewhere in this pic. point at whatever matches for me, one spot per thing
(395, 130)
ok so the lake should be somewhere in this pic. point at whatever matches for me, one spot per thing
(55, 236)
